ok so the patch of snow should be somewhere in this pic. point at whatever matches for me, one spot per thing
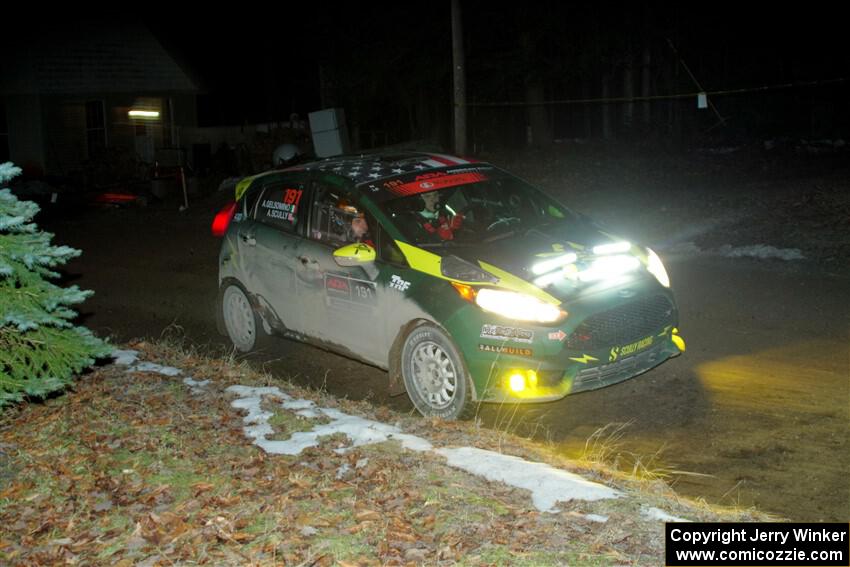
(342, 471)
(361, 463)
(250, 392)
(196, 386)
(547, 484)
(763, 251)
(661, 515)
(298, 404)
(157, 368)
(130, 358)
(359, 430)
(309, 414)
(125, 357)
(308, 531)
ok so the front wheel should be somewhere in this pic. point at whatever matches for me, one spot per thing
(243, 325)
(433, 373)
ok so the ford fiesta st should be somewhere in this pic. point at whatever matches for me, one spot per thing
(466, 283)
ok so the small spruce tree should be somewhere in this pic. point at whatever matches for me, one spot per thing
(41, 350)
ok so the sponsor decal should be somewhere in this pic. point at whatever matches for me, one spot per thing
(337, 285)
(619, 352)
(503, 333)
(397, 283)
(342, 289)
(501, 349)
(432, 181)
(284, 209)
(585, 359)
(560, 335)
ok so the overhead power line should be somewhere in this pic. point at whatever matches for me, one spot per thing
(611, 100)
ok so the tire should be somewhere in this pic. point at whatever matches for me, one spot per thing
(434, 374)
(244, 327)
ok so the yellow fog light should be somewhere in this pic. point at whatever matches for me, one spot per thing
(516, 382)
(522, 380)
(677, 340)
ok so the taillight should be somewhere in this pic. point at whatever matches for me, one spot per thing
(222, 219)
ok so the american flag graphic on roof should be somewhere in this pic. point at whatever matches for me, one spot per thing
(366, 168)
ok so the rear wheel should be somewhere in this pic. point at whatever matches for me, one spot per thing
(243, 325)
(434, 374)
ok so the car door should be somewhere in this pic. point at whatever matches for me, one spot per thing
(341, 303)
(271, 241)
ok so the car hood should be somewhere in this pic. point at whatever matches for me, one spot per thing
(518, 252)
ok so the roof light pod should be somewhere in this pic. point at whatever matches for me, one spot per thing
(612, 248)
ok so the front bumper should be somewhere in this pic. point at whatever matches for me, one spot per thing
(542, 383)
(609, 344)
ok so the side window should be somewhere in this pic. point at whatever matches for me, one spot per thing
(388, 250)
(250, 200)
(336, 218)
(281, 205)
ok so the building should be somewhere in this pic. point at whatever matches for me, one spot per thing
(85, 93)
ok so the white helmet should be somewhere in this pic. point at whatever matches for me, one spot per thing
(285, 154)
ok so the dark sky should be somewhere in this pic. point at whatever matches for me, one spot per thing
(386, 60)
(268, 65)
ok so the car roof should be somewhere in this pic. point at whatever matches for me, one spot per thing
(368, 168)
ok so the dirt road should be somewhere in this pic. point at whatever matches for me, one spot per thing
(758, 407)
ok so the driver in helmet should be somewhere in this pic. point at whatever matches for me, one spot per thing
(437, 221)
(358, 231)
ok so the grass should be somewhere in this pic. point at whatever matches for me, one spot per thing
(604, 449)
(130, 467)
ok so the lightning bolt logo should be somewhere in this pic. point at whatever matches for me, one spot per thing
(585, 359)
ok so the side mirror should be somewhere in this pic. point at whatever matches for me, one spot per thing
(357, 254)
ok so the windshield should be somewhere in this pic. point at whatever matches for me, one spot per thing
(490, 207)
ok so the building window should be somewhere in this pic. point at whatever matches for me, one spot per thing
(95, 127)
(4, 134)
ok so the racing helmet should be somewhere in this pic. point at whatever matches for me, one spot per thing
(343, 204)
(285, 154)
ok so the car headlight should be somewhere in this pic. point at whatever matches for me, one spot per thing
(609, 267)
(656, 267)
(517, 306)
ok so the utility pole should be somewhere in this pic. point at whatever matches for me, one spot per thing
(459, 80)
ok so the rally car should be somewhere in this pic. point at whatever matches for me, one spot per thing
(466, 283)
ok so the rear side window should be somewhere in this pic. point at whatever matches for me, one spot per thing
(282, 206)
(250, 199)
(334, 213)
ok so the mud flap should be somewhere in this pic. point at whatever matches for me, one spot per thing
(395, 386)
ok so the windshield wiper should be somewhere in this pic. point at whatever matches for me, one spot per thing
(498, 237)
(444, 243)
